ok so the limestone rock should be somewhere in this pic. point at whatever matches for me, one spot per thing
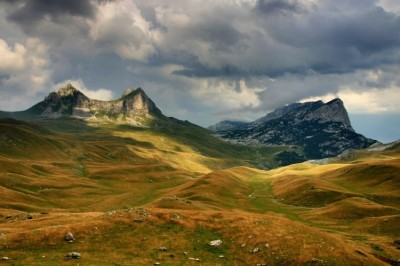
(70, 102)
(321, 129)
(73, 255)
(216, 243)
(138, 220)
(69, 237)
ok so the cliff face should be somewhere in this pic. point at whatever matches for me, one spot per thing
(322, 129)
(69, 101)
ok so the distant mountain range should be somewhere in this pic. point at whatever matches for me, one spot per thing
(322, 129)
(311, 130)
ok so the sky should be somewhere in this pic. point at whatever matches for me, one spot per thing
(209, 60)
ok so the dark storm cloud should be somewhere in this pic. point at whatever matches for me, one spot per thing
(270, 7)
(220, 34)
(297, 39)
(368, 31)
(202, 71)
(32, 11)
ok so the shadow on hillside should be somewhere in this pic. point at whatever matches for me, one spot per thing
(197, 138)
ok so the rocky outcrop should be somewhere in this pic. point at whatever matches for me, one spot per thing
(70, 102)
(322, 129)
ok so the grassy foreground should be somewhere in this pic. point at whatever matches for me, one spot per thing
(126, 192)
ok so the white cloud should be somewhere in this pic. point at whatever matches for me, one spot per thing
(12, 58)
(100, 94)
(390, 5)
(226, 95)
(25, 65)
(119, 26)
(373, 101)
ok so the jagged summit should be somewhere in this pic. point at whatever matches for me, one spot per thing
(129, 91)
(68, 90)
(134, 105)
(332, 111)
(322, 129)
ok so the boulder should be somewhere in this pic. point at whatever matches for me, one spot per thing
(216, 243)
(73, 255)
(69, 237)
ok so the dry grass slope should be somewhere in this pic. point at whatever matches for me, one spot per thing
(95, 180)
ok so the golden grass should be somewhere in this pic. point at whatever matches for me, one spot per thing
(105, 239)
(333, 214)
(353, 209)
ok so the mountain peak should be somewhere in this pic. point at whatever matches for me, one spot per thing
(133, 92)
(68, 90)
(322, 129)
(334, 111)
(133, 106)
(335, 101)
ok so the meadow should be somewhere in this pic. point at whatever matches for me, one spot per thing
(125, 192)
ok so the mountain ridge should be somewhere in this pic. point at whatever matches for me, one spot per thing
(133, 107)
(323, 129)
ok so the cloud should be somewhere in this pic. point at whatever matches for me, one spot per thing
(369, 92)
(372, 101)
(204, 60)
(120, 27)
(270, 7)
(25, 71)
(12, 57)
(25, 65)
(29, 12)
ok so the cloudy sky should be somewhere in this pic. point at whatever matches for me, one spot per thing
(209, 60)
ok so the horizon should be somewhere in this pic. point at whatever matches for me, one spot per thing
(372, 129)
(209, 61)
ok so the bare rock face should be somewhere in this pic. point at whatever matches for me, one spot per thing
(70, 102)
(136, 102)
(333, 111)
(322, 129)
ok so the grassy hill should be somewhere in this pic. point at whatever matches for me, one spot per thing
(188, 188)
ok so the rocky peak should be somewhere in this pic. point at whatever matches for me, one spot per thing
(137, 102)
(333, 111)
(68, 90)
(322, 129)
(127, 92)
(68, 101)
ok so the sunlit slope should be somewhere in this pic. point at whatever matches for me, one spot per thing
(353, 209)
(71, 165)
(360, 192)
(376, 179)
(219, 190)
